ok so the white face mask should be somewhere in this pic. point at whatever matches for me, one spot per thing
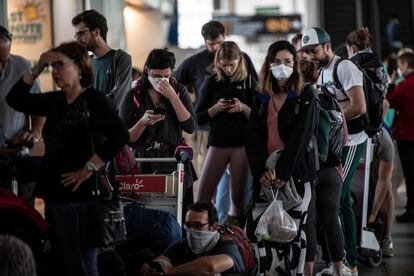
(201, 241)
(281, 71)
(155, 82)
(399, 73)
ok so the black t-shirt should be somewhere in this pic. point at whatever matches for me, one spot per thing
(180, 253)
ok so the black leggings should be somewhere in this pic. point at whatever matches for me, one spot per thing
(327, 197)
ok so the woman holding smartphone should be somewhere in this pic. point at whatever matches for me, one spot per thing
(156, 111)
(226, 98)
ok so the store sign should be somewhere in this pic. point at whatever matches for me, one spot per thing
(30, 22)
(27, 21)
(250, 26)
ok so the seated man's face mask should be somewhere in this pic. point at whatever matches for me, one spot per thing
(201, 241)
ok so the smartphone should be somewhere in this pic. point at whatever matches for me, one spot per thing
(156, 266)
(161, 111)
(230, 101)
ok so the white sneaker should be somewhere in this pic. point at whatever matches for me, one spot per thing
(346, 271)
(354, 271)
(387, 247)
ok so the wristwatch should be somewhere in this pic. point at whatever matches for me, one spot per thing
(90, 166)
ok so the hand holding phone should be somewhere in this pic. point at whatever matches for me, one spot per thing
(161, 111)
(230, 101)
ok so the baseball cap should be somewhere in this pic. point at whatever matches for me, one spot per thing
(313, 37)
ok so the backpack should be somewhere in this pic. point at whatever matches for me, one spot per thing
(123, 163)
(375, 85)
(330, 132)
(238, 236)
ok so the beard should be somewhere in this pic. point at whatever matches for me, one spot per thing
(211, 54)
(91, 45)
(321, 62)
(324, 61)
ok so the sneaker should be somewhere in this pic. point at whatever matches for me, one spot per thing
(354, 271)
(406, 217)
(326, 271)
(346, 271)
(387, 247)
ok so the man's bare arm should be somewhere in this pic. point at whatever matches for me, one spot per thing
(357, 105)
(203, 266)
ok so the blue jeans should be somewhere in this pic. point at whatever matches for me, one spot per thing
(69, 226)
(223, 195)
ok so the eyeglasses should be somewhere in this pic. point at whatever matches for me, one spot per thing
(58, 65)
(196, 225)
(80, 34)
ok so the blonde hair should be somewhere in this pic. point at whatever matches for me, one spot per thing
(230, 51)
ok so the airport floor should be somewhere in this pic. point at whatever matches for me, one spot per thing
(402, 263)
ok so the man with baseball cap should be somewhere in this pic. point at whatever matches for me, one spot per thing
(350, 94)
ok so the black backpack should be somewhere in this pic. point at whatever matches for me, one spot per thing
(375, 85)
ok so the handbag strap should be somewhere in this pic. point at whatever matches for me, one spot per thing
(95, 190)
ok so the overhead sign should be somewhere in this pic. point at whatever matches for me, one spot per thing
(251, 26)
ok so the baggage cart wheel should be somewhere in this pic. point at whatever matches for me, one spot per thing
(376, 258)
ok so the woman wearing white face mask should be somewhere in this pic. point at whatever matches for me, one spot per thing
(283, 118)
(226, 98)
(156, 112)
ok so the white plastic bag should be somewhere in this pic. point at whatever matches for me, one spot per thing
(276, 224)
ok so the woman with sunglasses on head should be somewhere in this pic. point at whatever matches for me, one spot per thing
(226, 98)
(283, 119)
(81, 133)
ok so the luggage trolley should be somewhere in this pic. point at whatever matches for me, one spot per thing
(159, 191)
(369, 245)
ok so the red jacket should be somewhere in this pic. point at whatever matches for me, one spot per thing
(402, 99)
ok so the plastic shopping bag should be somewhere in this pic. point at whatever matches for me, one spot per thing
(275, 224)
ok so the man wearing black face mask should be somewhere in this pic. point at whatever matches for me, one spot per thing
(201, 252)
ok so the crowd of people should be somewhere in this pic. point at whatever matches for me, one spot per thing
(235, 120)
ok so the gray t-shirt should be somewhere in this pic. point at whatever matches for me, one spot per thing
(103, 72)
(112, 75)
(12, 121)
